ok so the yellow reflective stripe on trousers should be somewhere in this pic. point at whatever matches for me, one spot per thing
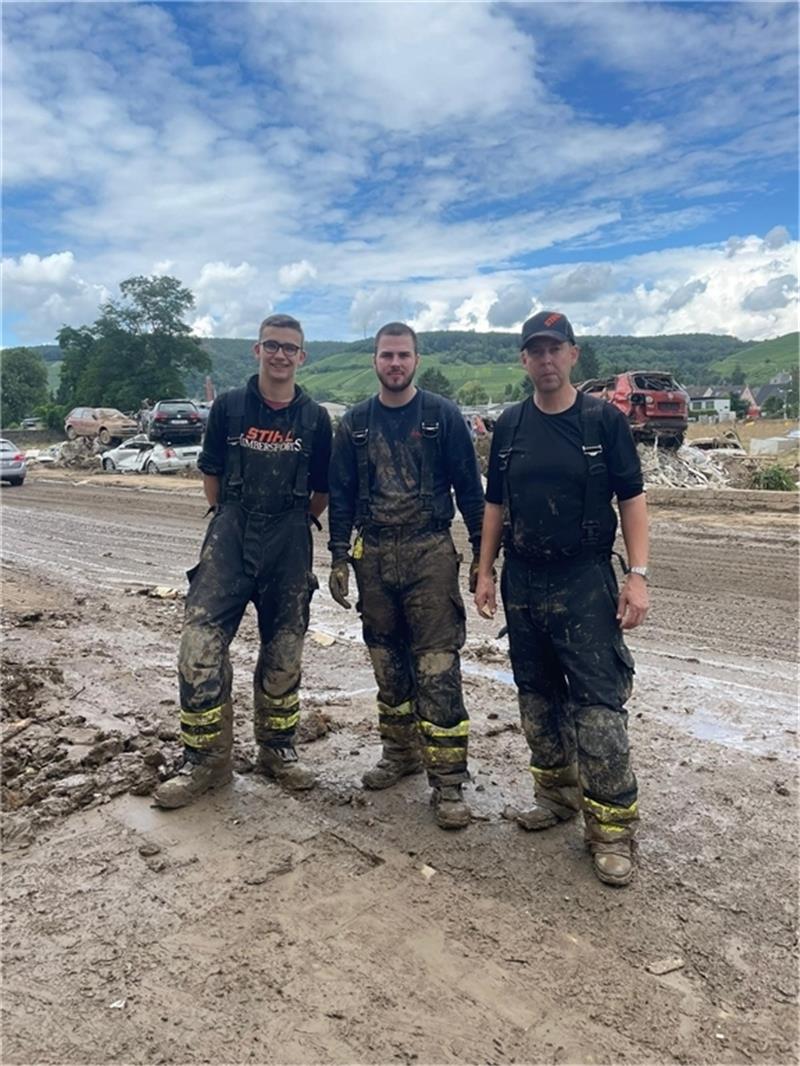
(210, 717)
(283, 721)
(400, 709)
(609, 816)
(440, 755)
(277, 702)
(200, 740)
(460, 730)
(550, 778)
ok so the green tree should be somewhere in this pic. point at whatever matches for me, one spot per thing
(434, 380)
(23, 380)
(774, 406)
(739, 406)
(737, 376)
(139, 346)
(588, 365)
(472, 393)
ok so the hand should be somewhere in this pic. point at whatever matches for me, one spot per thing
(634, 602)
(339, 582)
(485, 598)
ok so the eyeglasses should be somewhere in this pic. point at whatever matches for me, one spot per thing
(273, 347)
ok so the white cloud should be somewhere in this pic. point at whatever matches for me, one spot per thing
(32, 269)
(777, 237)
(359, 162)
(49, 292)
(512, 305)
(778, 292)
(584, 284)
(371, 308)
(685, 294)
(293, 275)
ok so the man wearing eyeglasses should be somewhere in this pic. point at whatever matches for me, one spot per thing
(396, 459)
(265, 462)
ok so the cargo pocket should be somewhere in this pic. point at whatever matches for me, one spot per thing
(461, 618)
(627, 669)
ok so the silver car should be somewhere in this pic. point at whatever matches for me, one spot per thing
(142, 455)
(13, 467)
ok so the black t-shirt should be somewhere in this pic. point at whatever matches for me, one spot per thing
(547, 474)
(395, 467)
(271, 442)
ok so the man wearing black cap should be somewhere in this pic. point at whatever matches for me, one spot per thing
(557, 459)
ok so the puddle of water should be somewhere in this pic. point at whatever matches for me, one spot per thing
(505, 677)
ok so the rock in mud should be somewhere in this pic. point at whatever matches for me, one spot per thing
(312, 726)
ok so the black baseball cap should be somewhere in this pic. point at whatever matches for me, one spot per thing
(547, 324)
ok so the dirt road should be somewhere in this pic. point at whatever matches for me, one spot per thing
(259, 927)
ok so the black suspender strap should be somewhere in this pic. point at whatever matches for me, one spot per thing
(234, 459)
(429, 429)
(504, 458)
(596, 493)
(309, 419)
(360, 437)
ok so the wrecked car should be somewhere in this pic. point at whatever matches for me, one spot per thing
(139, 454)
(655, 405)
(107, 424)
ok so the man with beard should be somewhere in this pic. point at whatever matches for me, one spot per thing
(396, 458)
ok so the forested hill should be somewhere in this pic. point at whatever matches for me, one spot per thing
(339, 370)
(492, 358)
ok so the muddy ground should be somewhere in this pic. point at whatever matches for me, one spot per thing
(261, 927)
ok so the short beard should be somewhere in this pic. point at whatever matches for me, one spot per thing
(393, 386)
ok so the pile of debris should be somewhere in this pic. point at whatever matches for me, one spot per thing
(691, 467)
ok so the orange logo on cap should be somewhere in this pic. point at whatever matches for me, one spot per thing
(551, 321)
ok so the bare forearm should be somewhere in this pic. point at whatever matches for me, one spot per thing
(318, 503)
(635, 532)
(211, 487)
(490, 537)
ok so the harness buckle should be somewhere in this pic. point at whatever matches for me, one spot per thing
(429, 429)
(591, 531)
(360, 437)
(592, 449)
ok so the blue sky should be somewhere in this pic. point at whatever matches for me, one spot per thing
(456, 165)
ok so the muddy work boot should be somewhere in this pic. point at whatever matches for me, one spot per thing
(283, 766)
(198, 774)
(557, 798)
(392, 767)
(611, 845)
(449, 809)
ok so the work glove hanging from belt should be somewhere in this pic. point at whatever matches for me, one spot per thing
(339, 582)
(473, 571)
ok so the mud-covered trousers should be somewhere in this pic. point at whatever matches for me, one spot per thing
(414, 626)
(574, 675)
(246, 557)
